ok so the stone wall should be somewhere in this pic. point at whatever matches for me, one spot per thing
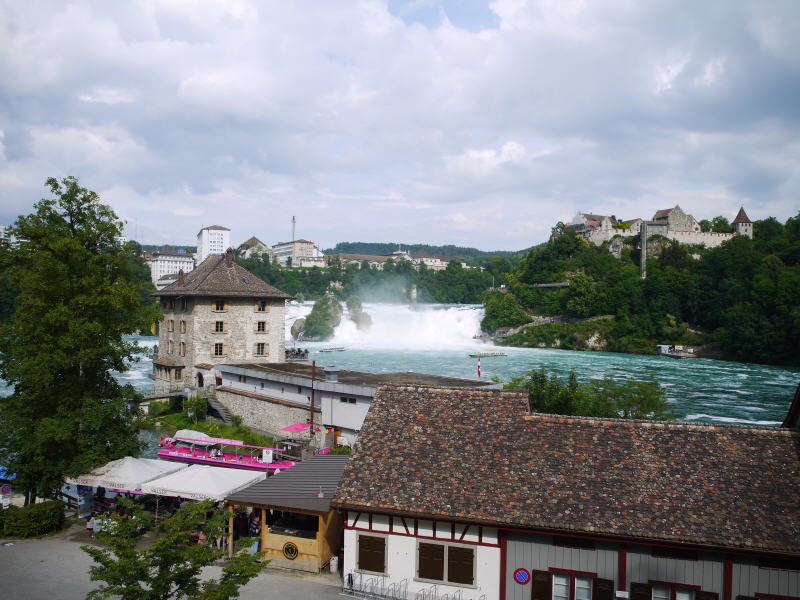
(708, 238)
(261, 413)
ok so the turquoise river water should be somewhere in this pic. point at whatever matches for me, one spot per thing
(437, 339)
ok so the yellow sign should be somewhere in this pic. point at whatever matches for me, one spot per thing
(290, 550)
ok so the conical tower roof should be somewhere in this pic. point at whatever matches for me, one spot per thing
(741, 217)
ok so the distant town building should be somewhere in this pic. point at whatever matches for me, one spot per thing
(169, 262)
(214, 239)
(742, 224)
(219, 312)
(291, 253)
(7, 236)
(434, 263)
(254, 247)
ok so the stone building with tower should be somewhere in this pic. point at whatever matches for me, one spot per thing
(218, 313)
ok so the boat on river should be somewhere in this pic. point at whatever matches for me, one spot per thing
(331, 349)
(489, 354)
(196, 447)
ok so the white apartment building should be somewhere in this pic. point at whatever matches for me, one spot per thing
(214, 239)
(296, 251)
(169, 262)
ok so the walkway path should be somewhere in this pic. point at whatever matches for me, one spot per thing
(55, 567)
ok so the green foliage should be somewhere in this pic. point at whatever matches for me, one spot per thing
(171, 567)
(569, 336)
(32, 520)
(236, 421)
(323, 318)
(77, 297)
(341, 450)
(746, 292)
(607, 398)
(502, 310)
(384, 249)
(172, 422)
(196, 408)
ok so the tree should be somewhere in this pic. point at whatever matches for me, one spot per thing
(170, 568)
(77, 297)
(720, 225)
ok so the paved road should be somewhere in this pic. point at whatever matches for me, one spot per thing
(55, 568)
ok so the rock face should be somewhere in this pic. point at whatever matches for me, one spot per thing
(297, 328)
(323, 319)
(357, 315)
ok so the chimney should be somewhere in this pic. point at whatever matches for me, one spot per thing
(181, 278)
(229, 257)
(331, 373)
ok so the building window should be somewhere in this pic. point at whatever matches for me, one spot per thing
(671, 591)
(182, 349)
(219, 305)
(171, 325)
(184, 304)
(183, 326)
(217, 349)
(347, 400)
(446, 563)
(219, 326)
(171, 304)
(568, 586)
(178, 374)
(371, 553)
(260, 349)
(261, 326)
(170, 348)
(262, 305)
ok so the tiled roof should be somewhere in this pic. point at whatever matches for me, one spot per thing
(298, 487)
(474, 455)
(219, 275)
(741, 217)
(662, 214)
(250, 243)
(215, 228)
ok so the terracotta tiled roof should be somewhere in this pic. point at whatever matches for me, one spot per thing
(741, 217)
(474, 455)
(219, 276)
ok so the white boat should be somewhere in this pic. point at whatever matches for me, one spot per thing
(332, 350)
(487, 354)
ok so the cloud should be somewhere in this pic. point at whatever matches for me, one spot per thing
(432, 121)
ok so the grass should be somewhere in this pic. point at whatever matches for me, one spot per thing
(180, 420)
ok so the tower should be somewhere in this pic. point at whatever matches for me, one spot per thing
(742, 224)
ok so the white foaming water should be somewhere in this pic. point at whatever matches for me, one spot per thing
(399, 326)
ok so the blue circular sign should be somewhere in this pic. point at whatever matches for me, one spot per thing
(522, 576)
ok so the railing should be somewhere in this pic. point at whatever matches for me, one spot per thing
(355, 585)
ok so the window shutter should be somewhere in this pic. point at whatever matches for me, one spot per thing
(602, 589)
(372, 553)
(641, 591)
(701, 595)
(460, 565)
(542, 588)
(431, 561)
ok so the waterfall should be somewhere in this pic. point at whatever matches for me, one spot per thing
(420, 326)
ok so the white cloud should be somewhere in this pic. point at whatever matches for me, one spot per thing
(366, 126)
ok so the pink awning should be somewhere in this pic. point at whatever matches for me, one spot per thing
(296, 427)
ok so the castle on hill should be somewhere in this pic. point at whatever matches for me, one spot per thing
(671, 223)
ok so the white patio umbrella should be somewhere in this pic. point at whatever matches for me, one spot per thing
(127, 473)
(199, 482)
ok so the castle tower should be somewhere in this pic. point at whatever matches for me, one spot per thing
(742, 224)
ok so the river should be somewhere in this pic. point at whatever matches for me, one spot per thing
(437, 339)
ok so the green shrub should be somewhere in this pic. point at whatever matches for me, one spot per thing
(34, 519)
(196, 408)
(341, 450)
(175, 404)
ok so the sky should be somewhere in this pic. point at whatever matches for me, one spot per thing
(464, 122)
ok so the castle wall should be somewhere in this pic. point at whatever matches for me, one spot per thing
(263, 413)
(709, 238)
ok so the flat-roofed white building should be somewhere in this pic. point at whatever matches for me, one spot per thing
(214, 239)
(169, 262)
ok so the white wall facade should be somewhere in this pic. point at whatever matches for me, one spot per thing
(212, 241)
(402, 537)
(169, 264)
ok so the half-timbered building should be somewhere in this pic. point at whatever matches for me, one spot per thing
(466, 493)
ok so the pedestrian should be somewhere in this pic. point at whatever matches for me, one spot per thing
(90, 524)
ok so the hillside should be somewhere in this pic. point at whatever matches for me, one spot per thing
(741, 299)
(469, 255)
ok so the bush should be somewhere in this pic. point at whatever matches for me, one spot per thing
(341, 450)
(32, 520)
(196, 408)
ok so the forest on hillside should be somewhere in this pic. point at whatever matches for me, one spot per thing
(455, 284)
(469, 255)
(743, 297)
